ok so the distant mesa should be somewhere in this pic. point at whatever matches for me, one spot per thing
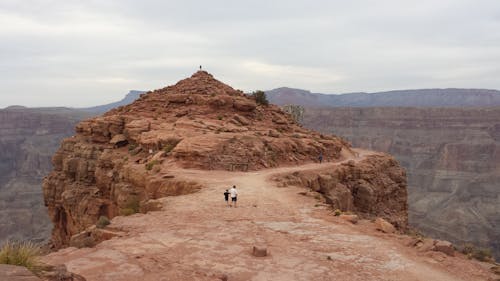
(15, 107)
(129, 98)
(400, 98)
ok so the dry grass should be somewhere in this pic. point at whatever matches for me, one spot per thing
(21, 254)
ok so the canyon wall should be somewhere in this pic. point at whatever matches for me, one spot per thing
(28, 139)
(452, 158)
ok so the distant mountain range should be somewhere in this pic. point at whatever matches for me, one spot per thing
(129, 98)
(400, 98)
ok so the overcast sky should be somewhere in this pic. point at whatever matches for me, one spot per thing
(83, 53)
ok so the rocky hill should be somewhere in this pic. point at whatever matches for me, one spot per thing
(404, 98)
(452, 156)
(125, 158)
(28, 139)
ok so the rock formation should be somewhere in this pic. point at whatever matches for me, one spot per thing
(124, 157)
(28, 138)
(452, 158)
(374, 187)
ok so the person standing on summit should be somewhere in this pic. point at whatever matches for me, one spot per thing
(234, 195)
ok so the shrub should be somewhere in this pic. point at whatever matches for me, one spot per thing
(21, 254)
(102, 222)
(150, 165)
(170, 145)
(482, 254)
(131, 207)
(260, 97)
(127, 212)
(337, 212)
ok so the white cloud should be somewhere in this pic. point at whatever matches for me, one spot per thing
(79, 53)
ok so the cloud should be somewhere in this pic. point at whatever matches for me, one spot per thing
(82, 53)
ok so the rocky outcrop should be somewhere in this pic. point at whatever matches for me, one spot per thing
(452, 158)
(127, 156)
(373, 187)
(28, 138)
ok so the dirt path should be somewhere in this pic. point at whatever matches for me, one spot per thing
(196, 237)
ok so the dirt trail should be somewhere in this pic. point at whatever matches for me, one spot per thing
(196, 237)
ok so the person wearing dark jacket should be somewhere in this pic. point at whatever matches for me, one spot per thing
(226, 197)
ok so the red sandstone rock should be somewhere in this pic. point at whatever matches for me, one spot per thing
(384, 226)
(375, 186)
(444, 247)
(350, 218)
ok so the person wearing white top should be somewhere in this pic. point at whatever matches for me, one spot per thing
(234, 195)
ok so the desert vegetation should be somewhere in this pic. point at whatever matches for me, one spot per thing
(21, 253)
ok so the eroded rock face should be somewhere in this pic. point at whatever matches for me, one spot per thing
(28, 138)
(452, 157)
(374, 187)
(125, 156)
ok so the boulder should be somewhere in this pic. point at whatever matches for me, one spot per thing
(119, 140)
(425, 245)
(384, 226)
(444, 247)
(244, 105)
(350, 218)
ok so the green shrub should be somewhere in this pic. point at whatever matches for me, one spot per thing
(131, 207)
(150, 165)
(468, 249)
(260, 97)
(170, 145)
(337, 212)
(482, 254)
(102, 222)
(21, 254)
(127, 212)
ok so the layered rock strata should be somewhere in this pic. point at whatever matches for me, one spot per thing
(28, 139)
(452, 156)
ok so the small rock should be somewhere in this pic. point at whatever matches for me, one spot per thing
(425, 245)
(259, 251)
(444, 247)
(384, 226)
(350, 218)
